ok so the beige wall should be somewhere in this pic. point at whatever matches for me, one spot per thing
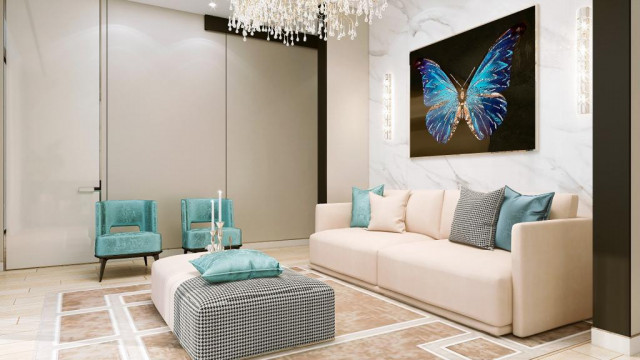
(347, 115)
(635, 166)
(272, 138)
(166, 101)
(2, 144)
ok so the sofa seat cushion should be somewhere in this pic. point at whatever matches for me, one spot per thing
(354, 251)
(459, 278)
(128, 243)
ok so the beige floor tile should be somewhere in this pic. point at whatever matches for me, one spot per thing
(17, 337)
(43, 290)
(9, 300)
(8, 320)
(596, 352)
(23, 300)
(28, 284)
(12, 280)
(13, 275)
(66, 268)
(15, 291)
(18, 347)
(19, 271)
(30, 319)
(21, 310)
(569, 355)
(122, 280)
(16, 328)
(64, 275)
(18, 356)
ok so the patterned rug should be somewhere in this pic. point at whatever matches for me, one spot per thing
(122, 323)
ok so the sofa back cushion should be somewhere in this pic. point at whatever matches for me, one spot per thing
(424, 211)
(564, 206)
(449, 203)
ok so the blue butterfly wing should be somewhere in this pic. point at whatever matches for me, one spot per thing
(441, 96)
(485, 107)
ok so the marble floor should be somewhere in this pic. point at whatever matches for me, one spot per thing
(22, 294)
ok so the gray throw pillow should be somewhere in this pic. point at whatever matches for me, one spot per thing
(476, 217)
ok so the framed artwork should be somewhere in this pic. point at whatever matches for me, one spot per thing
(475, 92)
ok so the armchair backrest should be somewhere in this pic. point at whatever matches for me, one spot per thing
(199, 211)
(141, 213)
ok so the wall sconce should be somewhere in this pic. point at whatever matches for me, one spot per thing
(386, 103)
(584, 60)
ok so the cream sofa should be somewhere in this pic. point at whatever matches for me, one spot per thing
(543, 283)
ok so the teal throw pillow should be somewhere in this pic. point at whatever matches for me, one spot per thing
(518, 208)
(233, 265)
(360, 205)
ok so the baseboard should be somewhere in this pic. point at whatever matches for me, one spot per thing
(615, 342)
(276, 244)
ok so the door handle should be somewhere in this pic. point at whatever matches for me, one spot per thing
(90, 189)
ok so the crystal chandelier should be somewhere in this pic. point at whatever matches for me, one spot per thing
(289, 20)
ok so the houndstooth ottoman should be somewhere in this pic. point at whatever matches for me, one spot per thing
(242, 318)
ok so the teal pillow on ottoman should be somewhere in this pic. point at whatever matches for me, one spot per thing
(233, 265)
(518, 208)
(360, 205)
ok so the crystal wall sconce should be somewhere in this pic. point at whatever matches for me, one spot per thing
(387, 111)
(584, 60)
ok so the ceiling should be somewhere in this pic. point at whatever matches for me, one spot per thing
(200, 7)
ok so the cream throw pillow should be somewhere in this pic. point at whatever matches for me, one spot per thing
(388, 213)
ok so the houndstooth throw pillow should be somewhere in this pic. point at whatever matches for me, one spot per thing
(476, 217)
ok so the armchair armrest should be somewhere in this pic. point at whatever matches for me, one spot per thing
(333, 216)
(552, 265)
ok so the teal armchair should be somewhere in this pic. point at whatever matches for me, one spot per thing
(116, 213)
(199, 211)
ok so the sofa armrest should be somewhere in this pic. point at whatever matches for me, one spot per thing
(333, 216)
(552, 264)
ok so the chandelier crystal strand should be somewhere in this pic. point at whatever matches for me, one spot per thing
(284, 20)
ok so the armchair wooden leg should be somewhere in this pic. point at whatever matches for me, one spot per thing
(145, 261)
(156, 257)
(185, 251)
(103, 263)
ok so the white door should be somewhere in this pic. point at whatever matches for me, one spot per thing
(52, 131)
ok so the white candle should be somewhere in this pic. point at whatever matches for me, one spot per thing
(213, 220)
(219, 205)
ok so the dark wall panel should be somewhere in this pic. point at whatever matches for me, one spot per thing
(612, 166)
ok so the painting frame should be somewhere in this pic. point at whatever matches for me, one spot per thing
(518, 131)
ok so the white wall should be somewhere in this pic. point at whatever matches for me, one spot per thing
(347, 115)
(563, 161)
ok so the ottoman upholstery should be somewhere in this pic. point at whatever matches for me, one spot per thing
(241, 318)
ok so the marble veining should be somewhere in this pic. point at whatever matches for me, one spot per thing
(562, 161)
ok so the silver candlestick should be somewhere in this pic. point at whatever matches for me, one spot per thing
(219, 226)
(216, 238)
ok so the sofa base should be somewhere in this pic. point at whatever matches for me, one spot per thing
(478, 325)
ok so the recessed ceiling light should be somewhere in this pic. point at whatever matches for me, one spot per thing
(212, 5)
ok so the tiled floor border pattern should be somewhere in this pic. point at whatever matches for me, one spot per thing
(124, 330)
(131, 346)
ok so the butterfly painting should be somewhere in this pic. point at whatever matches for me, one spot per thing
(487, 98)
